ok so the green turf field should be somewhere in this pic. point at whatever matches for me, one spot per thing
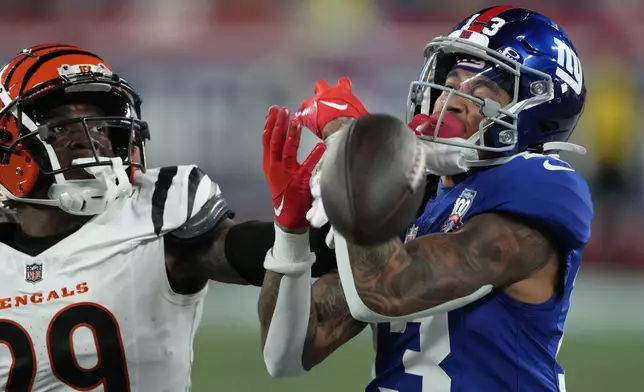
(230, 360)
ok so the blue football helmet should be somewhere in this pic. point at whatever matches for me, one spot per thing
(532, 59)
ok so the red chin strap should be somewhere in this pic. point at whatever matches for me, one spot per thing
(452, 126)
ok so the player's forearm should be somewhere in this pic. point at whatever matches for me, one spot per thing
(216, 266)
(191, 262)
(267, 301)
(301, 324)
(234, 253)
(243, 247)
(328, 322)
(386, 283)
(390, 283)
(285, 304)
(440, 272)
(424, 277)
(286, 322)
(331, 324)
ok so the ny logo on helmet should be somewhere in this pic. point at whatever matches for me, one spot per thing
(569, 69)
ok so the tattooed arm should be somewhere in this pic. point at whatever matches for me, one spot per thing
(330, 324)
(439, 272)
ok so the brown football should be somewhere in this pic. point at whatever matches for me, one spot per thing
(372, 179)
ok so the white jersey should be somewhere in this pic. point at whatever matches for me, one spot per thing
(95, 312)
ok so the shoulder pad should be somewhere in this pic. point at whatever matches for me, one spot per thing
(548, 192)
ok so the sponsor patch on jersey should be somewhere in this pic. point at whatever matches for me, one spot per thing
(461, 206)
(33, 273)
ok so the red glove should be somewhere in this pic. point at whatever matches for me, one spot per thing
(328, 104)
(452, 126)
(288, 181)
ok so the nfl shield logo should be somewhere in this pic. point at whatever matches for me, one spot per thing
(33, 273)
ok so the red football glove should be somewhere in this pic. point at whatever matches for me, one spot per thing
(328, 104)
(288, 181)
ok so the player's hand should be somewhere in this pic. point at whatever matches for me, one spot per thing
(327, 104)
(288, 181)
(317, 215)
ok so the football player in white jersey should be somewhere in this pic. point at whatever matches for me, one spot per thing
(106, 264)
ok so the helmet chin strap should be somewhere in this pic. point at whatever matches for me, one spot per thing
(448, 160)
(445, 159)
(86, 197)
(550, 149)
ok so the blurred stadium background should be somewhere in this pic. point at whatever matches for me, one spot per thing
(209, 69)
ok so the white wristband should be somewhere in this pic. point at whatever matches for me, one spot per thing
(291, 253)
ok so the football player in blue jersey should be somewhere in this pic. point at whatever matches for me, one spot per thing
(475, 296)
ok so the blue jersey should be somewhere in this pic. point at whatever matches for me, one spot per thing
(496, 343)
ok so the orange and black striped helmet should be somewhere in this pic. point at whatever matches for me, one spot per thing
(48, 75)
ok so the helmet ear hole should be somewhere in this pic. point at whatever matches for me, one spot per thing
(5, 136)
(20, 172)
(38, 153)
(547, 126)
(5, 139)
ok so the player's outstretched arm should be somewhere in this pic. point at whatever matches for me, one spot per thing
(439, 272)
(301, 324)
(232, 253)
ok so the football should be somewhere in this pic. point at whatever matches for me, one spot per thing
(373, 177)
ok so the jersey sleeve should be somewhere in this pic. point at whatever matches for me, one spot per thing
(167, 198)
(547, 192)
(171, 195)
